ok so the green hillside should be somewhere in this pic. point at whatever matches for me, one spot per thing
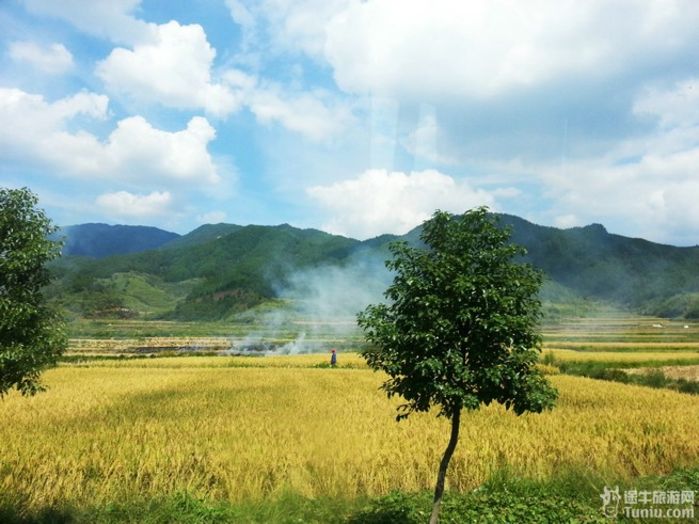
(202, 234)
(594, 263)
(206, 280)
(219, 270)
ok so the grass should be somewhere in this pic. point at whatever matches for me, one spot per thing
(689, 373)
(571, 496)
(656, 370)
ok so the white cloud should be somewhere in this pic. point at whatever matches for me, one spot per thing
(174, 69)
(314, 114)
(52, 59)
(168, 64)
(303, 113)
(241, 14)
(649, 203)
(110, 19)
(566, 221)
(171, 64)
(26, 117)
(647, 183)
(178, 155)
(452, 49)
(36, 130)
(651, 194)
(424, 141)
(129, 205)
(212, 217)
(378, 201)
(678, 106)
(286, 25)
(506, 192)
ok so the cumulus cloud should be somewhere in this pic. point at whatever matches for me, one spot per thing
(485, 66)
(646, 183)
(286, 25)
(303, 113)
(52, 59)
(452, 49)
(379, 201)
(33, 129)
(177, 155)
(677, 106)
(652, 196)
(317, 115)
(123, 204)
(449, 48)
(172, 65)
(112, 19)
(173, 68)
(169, 64)
(26, 117)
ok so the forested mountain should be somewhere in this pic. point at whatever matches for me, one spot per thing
(629, 271)
(218, 270)
(198, 278)
(103, 240)
(203, 234)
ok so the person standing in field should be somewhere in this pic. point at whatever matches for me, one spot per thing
(333, 358)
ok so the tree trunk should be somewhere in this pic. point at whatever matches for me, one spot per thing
(439, 488)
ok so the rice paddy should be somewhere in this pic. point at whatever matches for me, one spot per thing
(240, 428)
(102, 434)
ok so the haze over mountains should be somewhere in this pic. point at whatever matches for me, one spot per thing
(219, 270)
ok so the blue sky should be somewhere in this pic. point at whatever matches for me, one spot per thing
(356, 117)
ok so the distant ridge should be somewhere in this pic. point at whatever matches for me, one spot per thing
(218, 269)
(98, 240)
(202, 234)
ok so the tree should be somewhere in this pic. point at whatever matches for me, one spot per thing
(459, 328)
(31, 333)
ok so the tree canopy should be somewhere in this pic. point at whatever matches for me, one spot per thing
(460, 325)
(31, 333)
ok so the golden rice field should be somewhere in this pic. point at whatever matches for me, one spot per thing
(129, 344)
(309, 360)
(205, 425)
(640, 346)
(568, 355)
(241, 428)
(675, 372)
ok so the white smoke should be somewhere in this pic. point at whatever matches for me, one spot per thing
(320, 306)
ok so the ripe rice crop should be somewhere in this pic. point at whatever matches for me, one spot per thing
(568, 355)
(138, 429)
(126, 345)
(308, 360)
(623, 346)
(690, 373)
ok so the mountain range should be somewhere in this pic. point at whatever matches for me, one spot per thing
(219, 270)
(103, 240)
